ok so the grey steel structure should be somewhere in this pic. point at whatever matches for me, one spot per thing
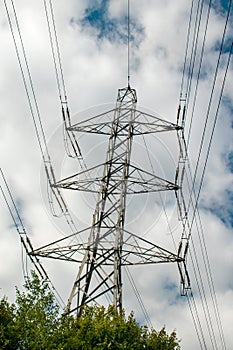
(109, 246)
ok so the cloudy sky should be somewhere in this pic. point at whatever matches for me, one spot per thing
(93, 43)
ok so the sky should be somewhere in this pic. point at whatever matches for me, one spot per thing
(93, 44)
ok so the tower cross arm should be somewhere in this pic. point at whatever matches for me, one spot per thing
(138, 181)
(143, 123)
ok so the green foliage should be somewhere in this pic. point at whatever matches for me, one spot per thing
(161, 340)
(36, 315)
(99, 328)
(34, 323)
(8, 337)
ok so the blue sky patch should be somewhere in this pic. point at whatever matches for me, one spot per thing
(224, 4)
(97, 16)
(226, 46)
(19, 206)
(224, 210)
(230, 161)
(172, 292)
(221, 6)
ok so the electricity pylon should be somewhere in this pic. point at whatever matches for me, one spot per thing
(109, 246)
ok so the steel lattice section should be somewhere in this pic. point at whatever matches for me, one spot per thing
(110, 246)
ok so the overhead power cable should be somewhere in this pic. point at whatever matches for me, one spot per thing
(212, 134)
(55, 51)
(195, 210)
(188, 69)
(199, 72)
(198, 274)
(194, 203)
(128, 43)
(160, 196)
(25, 240)
(194, 50)
(202, 242)
(36, 116)
(139, 298)
(199, 281)
(71, 142)
(186, 51)
(196, 321)
(211, 98)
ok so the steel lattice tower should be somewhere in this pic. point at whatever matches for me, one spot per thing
(110, 246)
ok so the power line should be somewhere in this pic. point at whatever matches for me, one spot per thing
(199, 71)
(26, 244)
(211, 96)
(128, 43)
(195, 208)
(69, 136)
(210, 103)
(196, 320)
(194, 47)
(56, 53)
(197, 270)
(37, 121)
(186, 50)
(139, 298)
(212, 132)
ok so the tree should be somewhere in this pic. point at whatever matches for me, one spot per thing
(100, 328)
(36, 315)
(34, 323)
(8, 337)
(161, 340)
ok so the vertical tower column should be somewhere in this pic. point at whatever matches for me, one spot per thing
(109, 216)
